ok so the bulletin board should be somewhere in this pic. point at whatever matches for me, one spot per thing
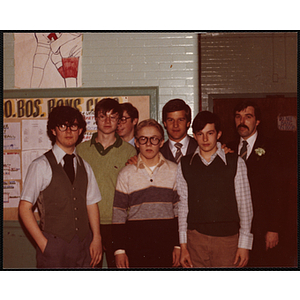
(25, 115)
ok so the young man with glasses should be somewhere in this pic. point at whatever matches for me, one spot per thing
(107, 154)
(146, 204)
(66, 192)
(128, 122)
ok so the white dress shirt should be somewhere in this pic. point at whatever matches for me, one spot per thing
(39, 176)
(184, 142)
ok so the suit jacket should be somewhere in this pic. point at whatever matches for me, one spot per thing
(265, 184)
(166, 151)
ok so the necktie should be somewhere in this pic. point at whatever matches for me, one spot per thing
(178, 153)
(243, 152)
(69, 167)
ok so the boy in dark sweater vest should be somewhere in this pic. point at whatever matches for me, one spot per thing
(215, 208)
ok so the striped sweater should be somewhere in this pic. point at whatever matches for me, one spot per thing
(147, 200)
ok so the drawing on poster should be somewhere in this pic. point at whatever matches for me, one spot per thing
(48, 59)
(63, 50)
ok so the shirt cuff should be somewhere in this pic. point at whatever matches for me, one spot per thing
(182, 237)
(119, 251)
(245, 240)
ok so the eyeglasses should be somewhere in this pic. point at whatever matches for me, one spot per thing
(154, 140)
(64, 127)
(102, 118)
(123, 120)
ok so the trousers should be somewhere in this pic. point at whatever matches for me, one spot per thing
(61, 254)
(211, 251)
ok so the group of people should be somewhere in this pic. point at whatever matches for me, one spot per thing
(149, 203)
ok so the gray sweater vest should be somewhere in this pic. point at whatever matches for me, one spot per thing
(63, 205)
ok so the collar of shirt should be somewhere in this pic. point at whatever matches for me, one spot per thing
(132, 142)
(141, 165)
(100, 148)
(60, 153)
(251, 140)
(220, 152)
(184, 142)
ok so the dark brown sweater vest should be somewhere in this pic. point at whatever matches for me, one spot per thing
(63, 205)
(211, 195)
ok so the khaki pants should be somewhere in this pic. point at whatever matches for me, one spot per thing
(211, 251)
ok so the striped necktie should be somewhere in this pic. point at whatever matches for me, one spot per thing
(243, 152)
(178, 153)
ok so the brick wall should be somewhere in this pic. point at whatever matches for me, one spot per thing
(166, 60)
(248, 63)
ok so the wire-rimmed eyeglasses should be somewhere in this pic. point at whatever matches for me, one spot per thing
(64, 127)
(154, 140)
(123, 120)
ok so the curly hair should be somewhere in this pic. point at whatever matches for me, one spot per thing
(65, 115)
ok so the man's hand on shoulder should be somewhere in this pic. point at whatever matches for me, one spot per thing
(226, 149)
(131, 161)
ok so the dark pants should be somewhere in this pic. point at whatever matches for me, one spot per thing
(107, 244)
(61, 254)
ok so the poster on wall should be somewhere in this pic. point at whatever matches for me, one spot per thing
(48, 60)
(11, 136)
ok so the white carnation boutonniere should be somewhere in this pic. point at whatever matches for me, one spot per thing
(260, 151)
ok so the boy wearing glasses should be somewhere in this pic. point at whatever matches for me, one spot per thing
(66, 192)
(107, 154)
(128, 122)
(145, 205)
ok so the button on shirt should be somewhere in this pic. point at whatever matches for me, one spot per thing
(39, 176)
(242, 193)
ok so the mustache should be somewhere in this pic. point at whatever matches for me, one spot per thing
(243, 126)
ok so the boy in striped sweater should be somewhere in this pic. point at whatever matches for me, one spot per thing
(145, 205)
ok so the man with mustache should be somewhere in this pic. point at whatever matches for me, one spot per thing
(262, 162)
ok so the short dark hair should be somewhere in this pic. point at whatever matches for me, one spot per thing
(130, 109)
(148, 123)
(203, 118)
(106, 105)
(65, 115)
(176, 105)
(244, 104)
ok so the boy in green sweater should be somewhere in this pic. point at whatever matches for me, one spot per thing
(107, 154)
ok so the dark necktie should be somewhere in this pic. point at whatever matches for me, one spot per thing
(69, 167)
(178, 153)
(243, 152)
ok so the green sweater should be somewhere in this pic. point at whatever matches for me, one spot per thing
(106, 165)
